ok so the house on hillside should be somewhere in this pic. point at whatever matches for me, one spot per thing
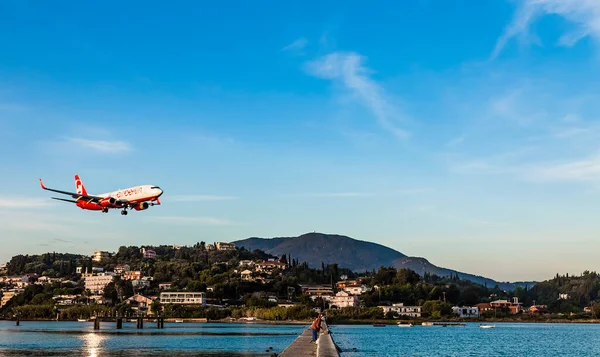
(269, 266)
(465, 311)
(343, 299)
(246, 275)
(398, 309)
(225, 246)
(139, 303)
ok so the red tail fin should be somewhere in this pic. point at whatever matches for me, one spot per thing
(79, 185)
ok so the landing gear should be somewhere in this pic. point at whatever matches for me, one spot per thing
(104, 209)
(124, 212)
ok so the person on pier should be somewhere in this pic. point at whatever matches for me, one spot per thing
(315, 327)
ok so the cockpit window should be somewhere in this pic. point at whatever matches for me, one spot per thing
(155, 187)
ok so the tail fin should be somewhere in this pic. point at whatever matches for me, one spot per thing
(79, 185)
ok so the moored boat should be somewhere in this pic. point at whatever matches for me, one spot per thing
(400, 324)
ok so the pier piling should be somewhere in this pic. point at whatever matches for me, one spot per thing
(119, 323)
(96, 323)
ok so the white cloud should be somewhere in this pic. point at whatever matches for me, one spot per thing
(200, 198)
(348, 69)
(584, 14)
(297, 45)
(586, 170)
(111, 147)
(194, 220)
(23, 202)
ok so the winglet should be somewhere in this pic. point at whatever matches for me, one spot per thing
(42, 184)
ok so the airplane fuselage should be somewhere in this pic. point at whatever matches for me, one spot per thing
(134, 195)
(138, 197)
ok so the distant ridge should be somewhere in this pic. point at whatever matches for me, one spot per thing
(357, 255)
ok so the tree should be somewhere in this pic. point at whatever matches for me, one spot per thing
(407, 276)
(283, 259)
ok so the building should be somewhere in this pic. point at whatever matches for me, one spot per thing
(3, 268)
(164, 286)
(140, 283)
(513, 306)
(246, 263)
(139, 303)
(188, 298)
(317, 290)
(399, 309)
(132, 275)
(122, 268)
(246, 275)
(100, 256)
(483, 307)
(225, 246)
(343, 299)
(465, 312)
(270, 266)
(148, 253)
(97, 283)
(7, 295)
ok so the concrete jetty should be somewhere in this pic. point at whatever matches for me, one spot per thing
(302, 346)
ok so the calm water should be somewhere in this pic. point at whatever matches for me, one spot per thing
(212, 340)
(506, 339)
(187, 339)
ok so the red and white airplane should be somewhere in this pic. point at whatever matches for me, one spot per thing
(138, 198)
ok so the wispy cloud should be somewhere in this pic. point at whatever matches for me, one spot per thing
(406, 191)
(200, 198)
(348, 69)
(23, 202)
(111, 147)
(584, 14)
(297, 45)
(586, 170)
(211, 221)
(336, 194)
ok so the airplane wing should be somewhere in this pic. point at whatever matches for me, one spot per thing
(75, 195)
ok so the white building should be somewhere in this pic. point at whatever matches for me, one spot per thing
(195, 298)
(97, 283)
(100, 255)
(225, 246)
(343, 299)
(148, 253)
(356, 289)
(465, 311)
(400, 310)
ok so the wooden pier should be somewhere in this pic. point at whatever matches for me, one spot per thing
(303, 347)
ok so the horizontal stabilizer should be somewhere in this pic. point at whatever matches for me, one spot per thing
(62, 199)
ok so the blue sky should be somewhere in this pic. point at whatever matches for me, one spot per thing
(463, 132)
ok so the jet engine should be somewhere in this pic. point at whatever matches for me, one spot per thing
(108, 201)
(141, 206)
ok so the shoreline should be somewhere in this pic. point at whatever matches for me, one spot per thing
(342, 322)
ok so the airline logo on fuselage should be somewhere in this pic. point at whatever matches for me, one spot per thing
(128, 192)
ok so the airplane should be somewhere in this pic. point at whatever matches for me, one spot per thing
(138, 197)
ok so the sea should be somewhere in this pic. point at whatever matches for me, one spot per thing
(51, 338)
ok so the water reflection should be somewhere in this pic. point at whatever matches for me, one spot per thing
(92, 344)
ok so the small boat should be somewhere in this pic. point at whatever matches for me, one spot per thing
(179, 321)
(486, 326)
(427, 323)
(81, 320)
(378, 325)
(400, 324)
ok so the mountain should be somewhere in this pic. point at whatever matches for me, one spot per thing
(357, 255)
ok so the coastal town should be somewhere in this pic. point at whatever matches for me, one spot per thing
(232, 282)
